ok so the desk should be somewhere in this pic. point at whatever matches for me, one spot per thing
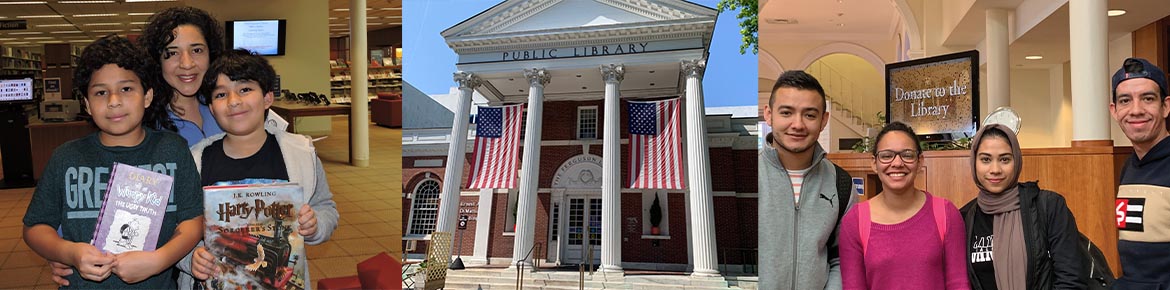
(291, 110)
(46, 137)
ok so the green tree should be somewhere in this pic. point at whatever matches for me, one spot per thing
(749, 18)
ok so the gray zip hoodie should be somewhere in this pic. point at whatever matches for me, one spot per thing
(796, 239)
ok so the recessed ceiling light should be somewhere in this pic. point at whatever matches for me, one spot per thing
(95, 15)
(1033, 57)
(55, 25)
(23, 3)
(1116, 12)
(40, 16)
(138, 23)
(102, 24)
(140, 13)
(840, 24)
(65, 32)
(85, 1)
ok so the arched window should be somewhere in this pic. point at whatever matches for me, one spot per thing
(424, 208)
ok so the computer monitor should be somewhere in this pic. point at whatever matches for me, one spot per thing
(16, 89)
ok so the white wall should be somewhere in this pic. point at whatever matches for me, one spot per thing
(1119, 49)
(305, 66)
(1031, 98)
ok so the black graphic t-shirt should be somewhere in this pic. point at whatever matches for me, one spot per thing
(981, 244)
(69, 195)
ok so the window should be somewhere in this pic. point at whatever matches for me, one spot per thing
(587, 122)
(556, 219)
(663, 205)
(425, 208)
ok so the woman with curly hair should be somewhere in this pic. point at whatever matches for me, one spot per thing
(182, 42)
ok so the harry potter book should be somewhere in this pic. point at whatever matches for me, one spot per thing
(132, 212)
(252, 231)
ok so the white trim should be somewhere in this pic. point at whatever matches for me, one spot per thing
(655, 237)
(723, 193)
(596, 115)
(416, 238)
(648, 201)
(509, 234)
(868, 55)
(469, 193)
(769, 65)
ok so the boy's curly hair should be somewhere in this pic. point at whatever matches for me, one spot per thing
(116, 50)
(158, 33)
(237, 65)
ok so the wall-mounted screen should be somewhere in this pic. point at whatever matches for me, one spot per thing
(936, 95)
(16, 89)
(264, 37)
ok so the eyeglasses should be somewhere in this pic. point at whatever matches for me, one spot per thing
(887, 156)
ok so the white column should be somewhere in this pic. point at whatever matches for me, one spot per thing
(1089, 53)
(702, 222)
(611, 188)
(359, 116)
(529, 168)
(996, 37)
(483, 223)
(449, 200)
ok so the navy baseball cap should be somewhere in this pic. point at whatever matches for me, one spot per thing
(1134, 68)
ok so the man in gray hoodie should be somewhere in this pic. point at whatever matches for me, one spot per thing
(802, 194)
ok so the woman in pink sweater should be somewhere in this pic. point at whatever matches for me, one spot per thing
(903, 238)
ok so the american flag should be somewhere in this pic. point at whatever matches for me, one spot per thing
(655, 145)
(497, 147)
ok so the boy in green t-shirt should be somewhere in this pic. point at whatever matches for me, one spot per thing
(114, 76)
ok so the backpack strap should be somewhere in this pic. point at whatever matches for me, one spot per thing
(863, 225)
(844, 190)
(940, 216)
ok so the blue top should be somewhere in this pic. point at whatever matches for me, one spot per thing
(190, 131)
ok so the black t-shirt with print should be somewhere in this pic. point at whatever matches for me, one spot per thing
(981, 245)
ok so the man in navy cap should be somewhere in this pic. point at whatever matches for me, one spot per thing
(1140, 105)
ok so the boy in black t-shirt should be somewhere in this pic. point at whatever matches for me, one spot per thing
(113, 74)
(238, 86)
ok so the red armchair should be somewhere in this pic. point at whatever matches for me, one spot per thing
(378, 272)
(386, 110)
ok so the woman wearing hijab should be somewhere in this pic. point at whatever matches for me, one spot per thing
(1018, 236)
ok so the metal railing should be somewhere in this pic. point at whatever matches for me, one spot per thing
(536, 247)
(749, 257)
(857, 103)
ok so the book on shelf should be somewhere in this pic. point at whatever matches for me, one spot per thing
(252, 230)
(132, 211)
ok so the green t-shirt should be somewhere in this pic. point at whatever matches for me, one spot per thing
(70, 193)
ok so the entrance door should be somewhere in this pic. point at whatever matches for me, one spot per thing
(583, 231)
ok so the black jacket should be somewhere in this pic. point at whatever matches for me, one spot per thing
(1052, 240)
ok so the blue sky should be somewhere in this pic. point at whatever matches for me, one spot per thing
(730, 79)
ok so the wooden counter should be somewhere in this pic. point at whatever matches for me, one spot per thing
(1087, 177)
(45, 137)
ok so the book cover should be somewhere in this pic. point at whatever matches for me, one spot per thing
(132, 211)
(252, 230)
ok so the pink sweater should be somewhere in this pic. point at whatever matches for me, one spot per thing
(907, 255)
